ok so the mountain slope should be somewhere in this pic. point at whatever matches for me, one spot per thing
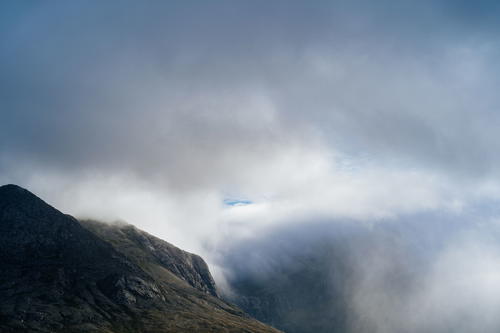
(295, 285)
(152, 253)
(335, 277)
(59, 276)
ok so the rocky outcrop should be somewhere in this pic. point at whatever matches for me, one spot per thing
(127, 239)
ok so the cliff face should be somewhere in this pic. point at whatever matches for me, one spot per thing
(60, 275)
(149, 250)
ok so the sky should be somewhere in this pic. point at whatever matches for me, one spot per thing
(201, 121)
(223, 126)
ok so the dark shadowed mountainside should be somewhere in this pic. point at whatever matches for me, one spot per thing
(60, 275)
(295, 284)
(340, 278)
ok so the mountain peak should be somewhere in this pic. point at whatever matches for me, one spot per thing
(12, 194)
(23, 208)
(61, 276)
(10, 186)
(13, 189)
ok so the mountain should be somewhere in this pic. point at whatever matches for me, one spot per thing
(62, 275)
(296, 283)
(344, 277)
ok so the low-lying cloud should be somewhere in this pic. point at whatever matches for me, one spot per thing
(455, 290)
(156, 113)
(423, 273)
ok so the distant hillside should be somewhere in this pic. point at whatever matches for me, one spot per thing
(334, 278)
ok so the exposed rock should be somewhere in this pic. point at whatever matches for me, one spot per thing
(58, 276)
(127, 239)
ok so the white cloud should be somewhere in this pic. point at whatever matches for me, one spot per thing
(456, 292)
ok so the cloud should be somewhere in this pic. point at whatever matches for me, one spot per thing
(342, 110)
(454, 290)
(429, 272)
(357, 114)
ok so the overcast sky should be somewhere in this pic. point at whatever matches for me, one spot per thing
(165, 114)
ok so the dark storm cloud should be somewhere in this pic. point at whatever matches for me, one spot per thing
(360, 109)
(138, 85)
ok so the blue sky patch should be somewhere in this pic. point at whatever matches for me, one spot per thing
(237, 202)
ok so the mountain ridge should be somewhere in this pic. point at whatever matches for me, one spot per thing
(65, 275)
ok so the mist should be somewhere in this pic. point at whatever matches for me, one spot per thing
(430, 273)
(218, 126)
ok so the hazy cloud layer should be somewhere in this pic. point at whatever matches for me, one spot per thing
(354, 111)
(422, 273)
(155, 113)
